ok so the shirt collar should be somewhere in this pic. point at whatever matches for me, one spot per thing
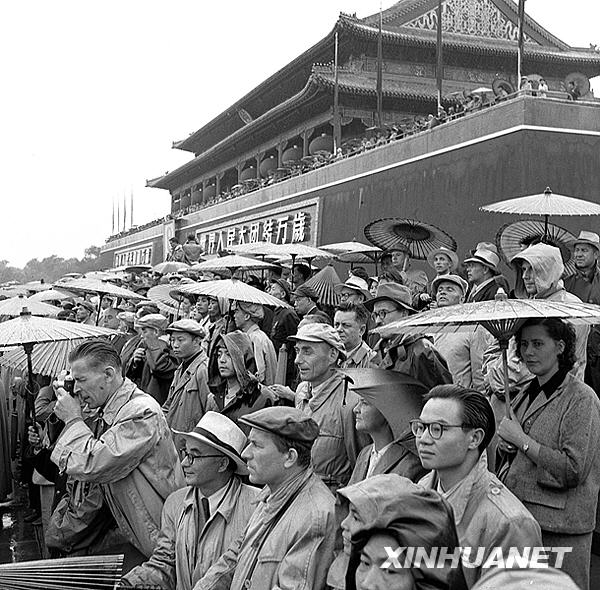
(117, 400)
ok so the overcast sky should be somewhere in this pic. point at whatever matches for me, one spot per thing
(94, 93)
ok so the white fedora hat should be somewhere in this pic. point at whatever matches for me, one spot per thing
(219, 432)
(588, 237)
(355, 284)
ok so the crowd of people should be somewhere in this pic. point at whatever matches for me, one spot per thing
(243, 446)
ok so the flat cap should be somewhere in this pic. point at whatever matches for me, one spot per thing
(284, 421)
(87, 305)
(152, 320)
(317, 332)
(126, 316)
(254, 310)
(457, 280)
(306, 291)
(189, 326)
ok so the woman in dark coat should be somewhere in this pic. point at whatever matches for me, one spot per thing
(552, 442)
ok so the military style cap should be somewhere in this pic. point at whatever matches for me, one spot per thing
(319, 333)
(189, 326)
(152, 320)
(283, 421)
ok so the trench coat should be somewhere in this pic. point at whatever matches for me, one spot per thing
(338, 444)
(561, 491)
(183, 553)
(186, 402)
(134, 461)
(487, 515)
(294, 554)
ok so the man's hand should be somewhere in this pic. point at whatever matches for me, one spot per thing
(139, 354)
(67, 408)
(34, 438)
(282, 391)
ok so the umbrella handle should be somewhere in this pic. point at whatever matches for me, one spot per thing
(504, 348)
(100, 295)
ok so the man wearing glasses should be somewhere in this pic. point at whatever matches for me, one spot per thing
(455, 427)
(413, 354)
(201, 521)
(354, 290)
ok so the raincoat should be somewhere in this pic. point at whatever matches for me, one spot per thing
(487, 515)
(414, 516)
(134, 460)
(415, 355)
(264, 354)
(186, 402)
(249, 397)
(547, 265)
(338, 444)
(188, 544)
(288, 543)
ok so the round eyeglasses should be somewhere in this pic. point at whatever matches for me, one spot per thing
(436, 429)
(191, 458)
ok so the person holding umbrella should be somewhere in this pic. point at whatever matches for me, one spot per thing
(553, 436)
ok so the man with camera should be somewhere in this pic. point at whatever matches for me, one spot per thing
(131, 454)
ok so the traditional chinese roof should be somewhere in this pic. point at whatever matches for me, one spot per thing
(316, 96)
(483, 27)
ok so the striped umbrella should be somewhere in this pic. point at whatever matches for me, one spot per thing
(324, 283)
(418, 238)
(12, 308)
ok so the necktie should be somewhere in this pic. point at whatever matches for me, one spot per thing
(205, 508)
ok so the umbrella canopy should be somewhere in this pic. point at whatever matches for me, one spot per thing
(164, 268)
(49, 295)
(96, 287)
(512, 238)
(358, 258)
(232, 289)
(29, 329)
(36, 286)
(232, 262)
(137, 268)
(281, 250)
(14, 291)
(350, 247)
(161, 296)
(12, 308)
(324, 283)
(502, 317)
(546, 203)
(481, 90)
(48, 359)
(394, 233)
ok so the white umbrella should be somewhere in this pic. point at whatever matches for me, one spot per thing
(350, 247)
(546, 204)
(502, 317)
(164, 268)
(12, 308)
(49, 295)
(232, 262)
(233, 289)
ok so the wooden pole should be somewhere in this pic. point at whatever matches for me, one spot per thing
(520, 40)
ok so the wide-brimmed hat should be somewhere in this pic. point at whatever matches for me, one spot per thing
(222, 434)
(395, 292)
(355, 284)
(485, 257)
(451, 254)
(459, 281)
(588, 237)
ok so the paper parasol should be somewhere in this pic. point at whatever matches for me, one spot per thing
(164, 268)
(502, 317)
(232, 289)
(12, 308)
(394, 233)
(49, 295)
(28, 330)
(324, 283)
(161, 296)
(232, 262)
(36, 286)
(546, 204)
(350, 247)
(514, 237)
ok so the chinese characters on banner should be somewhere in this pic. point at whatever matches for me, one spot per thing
(283, 229)
(132, 257)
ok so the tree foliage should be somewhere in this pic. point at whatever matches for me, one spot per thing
(50, 268)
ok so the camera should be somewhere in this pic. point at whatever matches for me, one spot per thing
(69, 384)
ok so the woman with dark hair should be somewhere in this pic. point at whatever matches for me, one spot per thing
(553, 438)
(389, 511)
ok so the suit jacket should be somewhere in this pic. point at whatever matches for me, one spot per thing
(401, 458)
(186, 402)
(488, 292)
(561, 490)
